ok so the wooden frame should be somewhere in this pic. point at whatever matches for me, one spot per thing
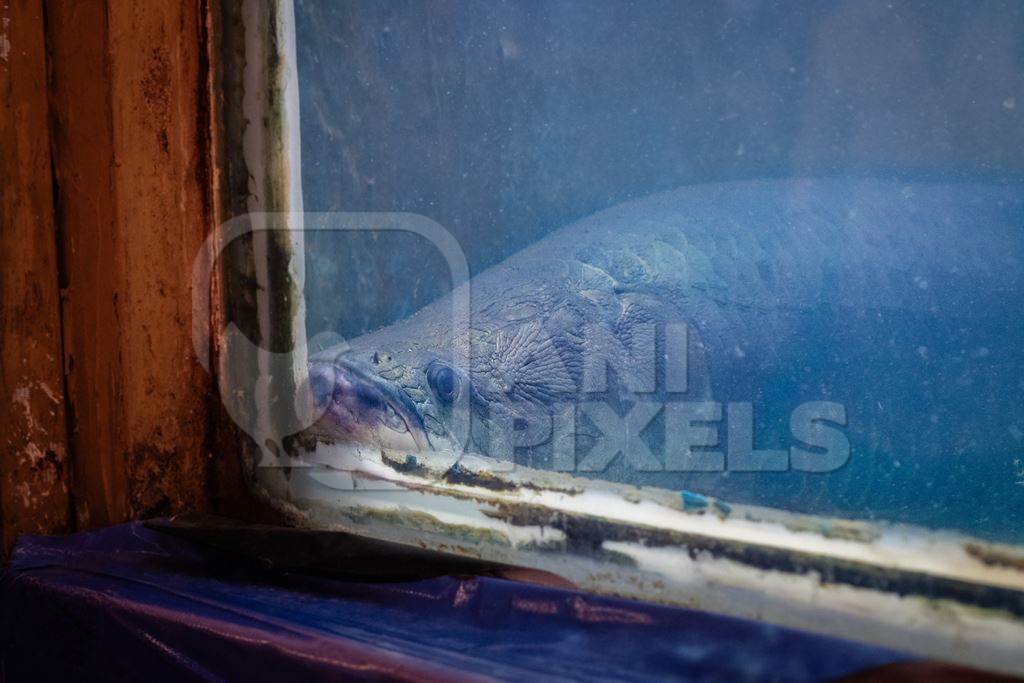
(110, 173)
(130, 127)
(34, 463)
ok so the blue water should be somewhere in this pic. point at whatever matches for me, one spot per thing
(504, 121)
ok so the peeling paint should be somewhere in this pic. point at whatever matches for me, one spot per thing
(878, 583)
(33, 469)
(24, 492)
(5, 43)
(21, 397)
(35, 455)
(133, 389)
(995, 556)
(49, 393)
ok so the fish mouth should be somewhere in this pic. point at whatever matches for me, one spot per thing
(355, 406)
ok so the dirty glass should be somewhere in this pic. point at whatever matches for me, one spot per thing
(764, 251)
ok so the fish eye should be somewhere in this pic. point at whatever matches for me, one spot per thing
(443, 382)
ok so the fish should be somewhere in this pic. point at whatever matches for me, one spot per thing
(892, 308)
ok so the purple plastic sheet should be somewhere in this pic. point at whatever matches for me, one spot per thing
(130, 603)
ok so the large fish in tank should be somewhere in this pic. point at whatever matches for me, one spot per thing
(836, 346)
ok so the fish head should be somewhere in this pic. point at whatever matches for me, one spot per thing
(398, 398)
(400, 388)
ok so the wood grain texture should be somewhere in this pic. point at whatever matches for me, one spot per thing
(34, 459)
(109, 184)
(128, 91)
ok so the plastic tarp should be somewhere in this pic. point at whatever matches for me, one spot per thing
(129, 602)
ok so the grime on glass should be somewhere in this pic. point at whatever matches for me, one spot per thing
(741, 298)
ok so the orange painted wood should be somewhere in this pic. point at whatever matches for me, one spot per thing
(34, 459)
(128, 93)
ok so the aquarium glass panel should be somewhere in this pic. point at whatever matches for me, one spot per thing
(764, 252)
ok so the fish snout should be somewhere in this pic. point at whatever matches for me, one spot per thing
(321, 384)
(357, 407)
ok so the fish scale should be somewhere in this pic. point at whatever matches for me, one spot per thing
(794, 290)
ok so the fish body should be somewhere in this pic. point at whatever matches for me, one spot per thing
(894, 308)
